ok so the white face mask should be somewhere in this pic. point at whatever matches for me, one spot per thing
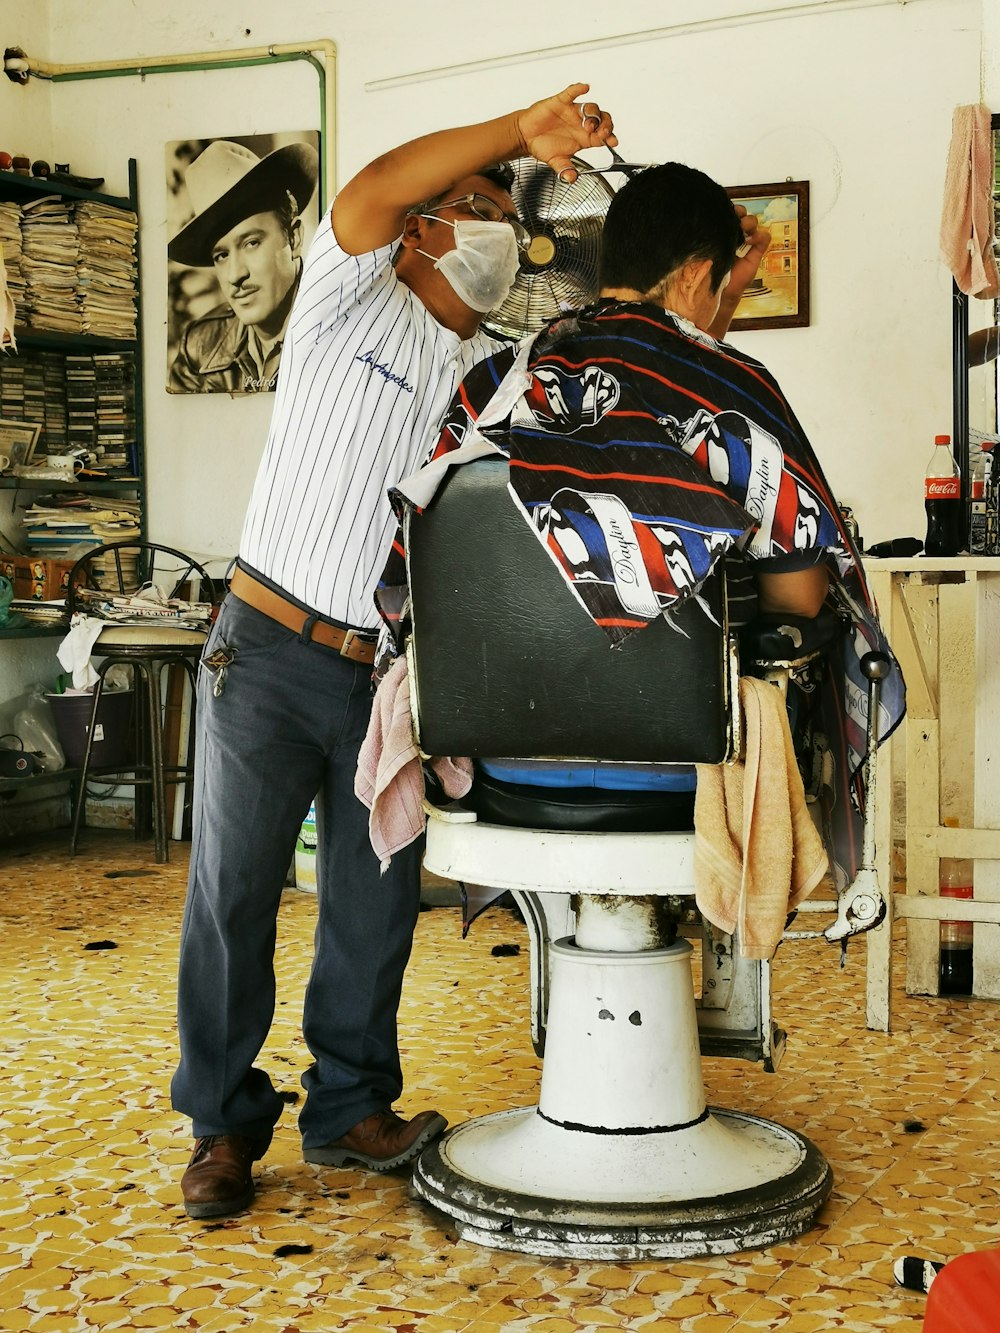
(483, 265)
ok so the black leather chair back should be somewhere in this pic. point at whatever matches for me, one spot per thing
(506, 662)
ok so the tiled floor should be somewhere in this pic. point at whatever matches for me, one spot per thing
(92, 1234)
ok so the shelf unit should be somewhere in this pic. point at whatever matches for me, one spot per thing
(23, 189)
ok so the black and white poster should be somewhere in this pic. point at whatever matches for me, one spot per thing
(241, 212)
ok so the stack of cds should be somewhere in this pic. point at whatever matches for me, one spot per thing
(81, 406)
(11, 388)
(83, 402)
(114, 410)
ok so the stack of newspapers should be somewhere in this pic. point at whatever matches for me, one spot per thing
(106, 273)
(50, 251)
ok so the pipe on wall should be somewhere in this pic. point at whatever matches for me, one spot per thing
(598, 44)
(247, 57)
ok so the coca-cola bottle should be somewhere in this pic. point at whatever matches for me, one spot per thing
(943, 501)
(955, 968)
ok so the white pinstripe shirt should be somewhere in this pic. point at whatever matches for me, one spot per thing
(366, 376)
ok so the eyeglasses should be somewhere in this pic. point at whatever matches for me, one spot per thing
(482, 206)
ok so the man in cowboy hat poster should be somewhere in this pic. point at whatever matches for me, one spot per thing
(247, 231)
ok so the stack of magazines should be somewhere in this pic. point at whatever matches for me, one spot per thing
(70, 522)
(49, 255)
(10, 250)
(107, 269)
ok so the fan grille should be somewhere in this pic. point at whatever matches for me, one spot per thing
(560, 269)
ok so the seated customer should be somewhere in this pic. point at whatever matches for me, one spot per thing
(643, 451)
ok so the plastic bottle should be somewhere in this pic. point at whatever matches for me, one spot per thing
(955, 969)
(977, 508)
(943, 501)
(992, 496)
(305, 853)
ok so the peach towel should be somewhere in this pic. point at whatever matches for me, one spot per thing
(967, 225)
(757, 851)
(390, 779)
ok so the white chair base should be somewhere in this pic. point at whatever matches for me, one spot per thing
(509, 1181)
(621, 1159)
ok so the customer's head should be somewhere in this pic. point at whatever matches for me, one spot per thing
(670, 237)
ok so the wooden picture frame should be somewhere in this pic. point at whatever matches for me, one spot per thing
(778, 297)
(18, 440)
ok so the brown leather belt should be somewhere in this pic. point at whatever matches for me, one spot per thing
(350, 643)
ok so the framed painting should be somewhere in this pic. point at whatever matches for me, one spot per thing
(778, 297)
(17, 442)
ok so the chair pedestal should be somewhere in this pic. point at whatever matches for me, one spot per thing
(621, 1159)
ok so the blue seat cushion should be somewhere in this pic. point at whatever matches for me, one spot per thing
(579, 809)
(583, 773)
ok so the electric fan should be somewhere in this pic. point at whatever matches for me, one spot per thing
(559, 269)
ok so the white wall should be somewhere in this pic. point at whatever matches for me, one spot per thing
(857, 101)
(26, 121)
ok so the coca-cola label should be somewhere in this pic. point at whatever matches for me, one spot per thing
(942, 488)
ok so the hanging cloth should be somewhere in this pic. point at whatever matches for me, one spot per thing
(967, 223)
(7, 312)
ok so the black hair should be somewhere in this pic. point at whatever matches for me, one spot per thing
(497, 173)
(662, 218)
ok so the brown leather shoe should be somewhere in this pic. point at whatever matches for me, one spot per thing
(219, 1179)
(381, 1141)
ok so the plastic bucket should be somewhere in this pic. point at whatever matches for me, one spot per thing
(72, 718)
(305, 853)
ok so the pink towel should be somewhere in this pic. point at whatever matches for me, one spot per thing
(390, 778)
(967, 227)
(757, 851)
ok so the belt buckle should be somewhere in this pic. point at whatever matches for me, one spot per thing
(349, 637)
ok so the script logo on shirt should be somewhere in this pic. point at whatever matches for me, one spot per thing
(388, 374)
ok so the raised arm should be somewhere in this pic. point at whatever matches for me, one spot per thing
(369, 211)
(756, 238)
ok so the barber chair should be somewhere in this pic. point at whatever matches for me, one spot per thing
(621, 1159)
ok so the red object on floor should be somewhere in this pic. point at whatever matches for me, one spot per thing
(964, 1296)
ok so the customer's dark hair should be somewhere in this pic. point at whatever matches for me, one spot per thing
(500, 173)
(662, 218)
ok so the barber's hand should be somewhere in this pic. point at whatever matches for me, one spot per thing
(555, 128)
(745, 268)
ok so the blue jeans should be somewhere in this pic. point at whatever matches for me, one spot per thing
(286, 728)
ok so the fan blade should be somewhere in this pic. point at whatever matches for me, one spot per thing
(534, 195)
(560, 271)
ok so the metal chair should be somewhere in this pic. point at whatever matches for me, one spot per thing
(621, 1158)
(149, 649)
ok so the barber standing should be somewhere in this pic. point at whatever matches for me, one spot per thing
(423, 242)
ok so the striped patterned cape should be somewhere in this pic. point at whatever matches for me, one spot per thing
(641, 452)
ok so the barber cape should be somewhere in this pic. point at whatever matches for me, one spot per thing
(641, 452)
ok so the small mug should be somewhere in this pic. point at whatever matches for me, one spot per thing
(4, 463)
